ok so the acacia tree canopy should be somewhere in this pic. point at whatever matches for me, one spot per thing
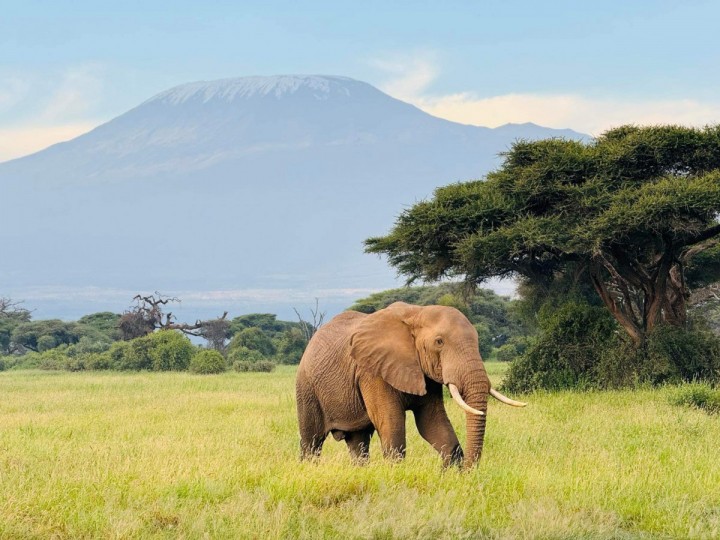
(628, 212)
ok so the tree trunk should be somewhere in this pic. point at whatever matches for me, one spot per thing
(664, 297)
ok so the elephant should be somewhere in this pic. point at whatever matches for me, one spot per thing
(361, 373)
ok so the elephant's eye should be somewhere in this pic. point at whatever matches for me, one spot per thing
(439, 342)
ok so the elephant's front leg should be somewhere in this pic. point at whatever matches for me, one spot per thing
(387, 413)
(434, 426)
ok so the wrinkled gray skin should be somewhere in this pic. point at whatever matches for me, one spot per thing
(360, 373)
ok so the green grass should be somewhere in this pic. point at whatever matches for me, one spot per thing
(698, 395)
(176, 455)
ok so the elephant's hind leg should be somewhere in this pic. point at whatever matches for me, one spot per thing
(358, 443)
(311, 420)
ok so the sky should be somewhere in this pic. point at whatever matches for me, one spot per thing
(66, 67)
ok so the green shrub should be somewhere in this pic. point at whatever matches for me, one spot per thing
(53, 359)
(255, 339)
(29, 360)
(161, 351)
(89, 345)
(169, 351)
(580, 346)
(669, 355)
(96, 361)
(698, 395)
(485, 342)
(207, 361)
(3, 365)
(291, 346)
(260, 365)
(683, 354)
(137, 356)
(117, 354)
(573, 339)
(45, 343)
(243, 354)
(506, 353)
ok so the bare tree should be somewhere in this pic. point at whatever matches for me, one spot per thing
(148, 314)
(309, 328)
(10, 309)
(216, 332)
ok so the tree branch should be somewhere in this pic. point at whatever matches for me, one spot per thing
(702, 236)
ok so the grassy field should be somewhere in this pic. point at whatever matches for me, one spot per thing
(174, 455)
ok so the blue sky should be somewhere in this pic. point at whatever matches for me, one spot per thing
(66, 67)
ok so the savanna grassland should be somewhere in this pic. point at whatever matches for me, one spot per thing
(176, 455)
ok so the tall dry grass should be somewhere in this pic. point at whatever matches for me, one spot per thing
(174, 455)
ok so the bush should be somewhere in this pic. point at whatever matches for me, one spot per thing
(669, 355)
(678, 354)
(137, 356)
(485, 342)
(3, 365)
(580, 346)
(292, 346)
(700, 396)
(207, 361)
(244, 359)
(255, 339)
(95, 360)
(56, 359)
(89, 345)
(169, 351)
(243, 354)
(117, 355)
(162, 351)
(573, 339)
(45, 343)
(506, 353)
(29, 360)
(261, 365)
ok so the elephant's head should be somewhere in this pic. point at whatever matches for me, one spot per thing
(403, 344)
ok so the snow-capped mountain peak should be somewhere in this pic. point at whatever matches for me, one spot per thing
(320, 87)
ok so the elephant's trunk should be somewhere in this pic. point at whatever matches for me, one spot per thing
(475, 393)
(474, 386)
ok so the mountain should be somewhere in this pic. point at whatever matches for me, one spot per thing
(261, 187)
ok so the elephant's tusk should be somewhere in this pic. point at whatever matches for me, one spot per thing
(455, 393)
(497, 395)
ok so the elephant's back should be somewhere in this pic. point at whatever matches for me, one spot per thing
(331, 340)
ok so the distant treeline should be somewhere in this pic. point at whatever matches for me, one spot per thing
(146, 338)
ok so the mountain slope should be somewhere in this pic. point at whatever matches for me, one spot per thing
(261, 183)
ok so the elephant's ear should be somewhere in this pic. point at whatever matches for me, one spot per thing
(384, 346)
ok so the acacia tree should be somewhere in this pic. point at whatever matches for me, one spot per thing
(627, 212)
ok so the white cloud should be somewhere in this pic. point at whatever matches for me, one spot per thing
(12, 90)
(76, 95)
(23, 140)
(583, 114)
(47, 110)
(194, 297)
(409, 79)
(408, 76)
